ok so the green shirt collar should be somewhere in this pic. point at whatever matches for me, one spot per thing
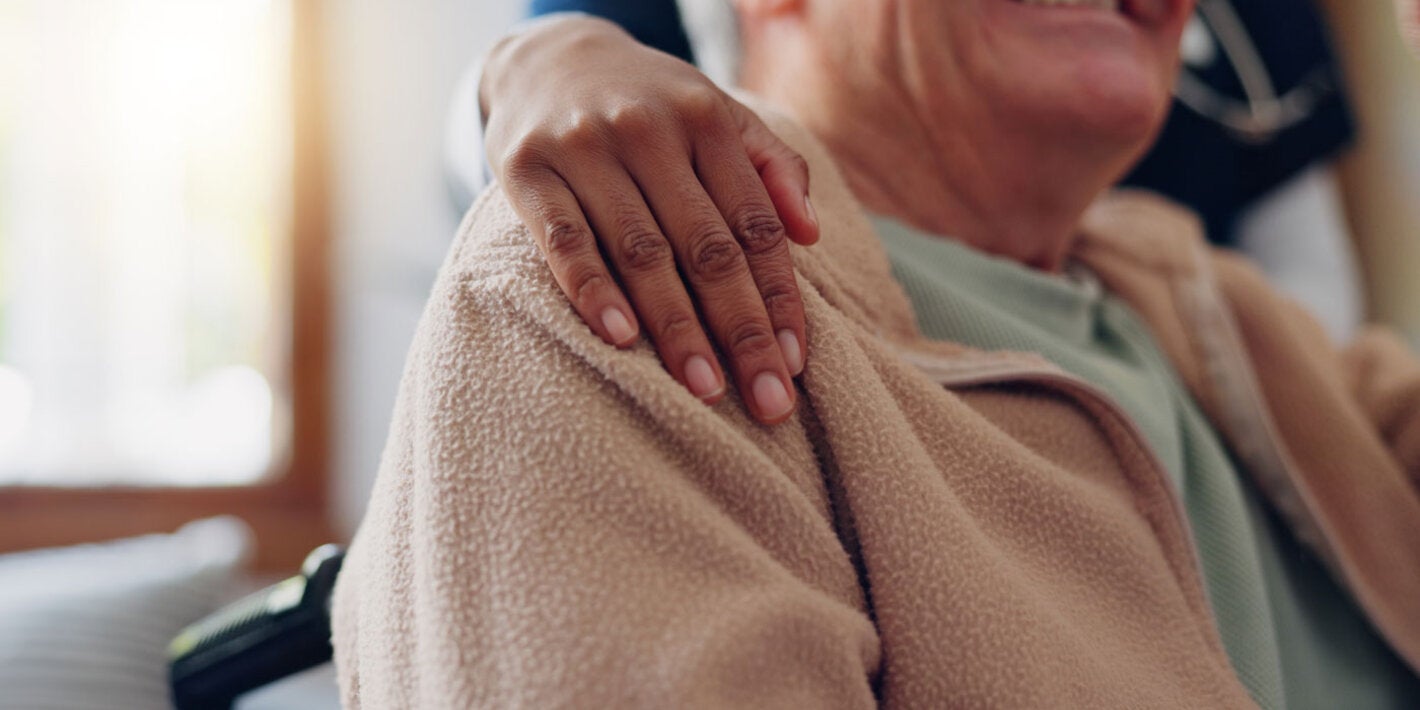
(1064, 303)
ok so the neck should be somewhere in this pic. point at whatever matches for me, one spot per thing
(951, 190)
(1017, 194)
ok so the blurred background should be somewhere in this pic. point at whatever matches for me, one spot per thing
(219, 220)
(218, 223)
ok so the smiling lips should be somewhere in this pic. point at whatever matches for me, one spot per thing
(1108, 5)
(1144, 12)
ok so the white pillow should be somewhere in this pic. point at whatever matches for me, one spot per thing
(714, 37)
(88, 626)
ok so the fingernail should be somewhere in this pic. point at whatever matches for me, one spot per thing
(701, 379)
(773, 399)
(617, 326)
(793, 354)
(809, 209)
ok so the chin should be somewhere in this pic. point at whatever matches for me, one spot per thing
(1111, 105)
(1123, 101)
(1096, 79)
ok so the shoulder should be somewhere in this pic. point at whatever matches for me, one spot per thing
(493, 253)
(495, 292)
(1143, 229)
(500, 343)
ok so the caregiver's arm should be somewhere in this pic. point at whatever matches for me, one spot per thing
(639, 178)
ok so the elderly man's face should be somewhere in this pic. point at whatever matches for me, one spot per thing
(1058, 69)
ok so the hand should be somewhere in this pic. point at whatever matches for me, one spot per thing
(606, 147)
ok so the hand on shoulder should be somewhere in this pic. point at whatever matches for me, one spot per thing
(660, 203)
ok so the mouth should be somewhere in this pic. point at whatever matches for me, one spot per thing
(1144, 12)
(1106, 5)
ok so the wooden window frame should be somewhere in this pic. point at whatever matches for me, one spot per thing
(288, 509)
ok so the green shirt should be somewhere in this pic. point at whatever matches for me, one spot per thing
(1295, 639)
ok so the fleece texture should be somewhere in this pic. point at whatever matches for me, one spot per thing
(965, 295)
(557, 523)
(1294, 637)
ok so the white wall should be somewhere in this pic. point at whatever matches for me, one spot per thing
(393, 65)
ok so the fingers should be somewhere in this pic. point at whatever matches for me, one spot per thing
(735, 187)
(718, 270)
(695, 194)
(783, 172)
(550, 209)
(646, 265)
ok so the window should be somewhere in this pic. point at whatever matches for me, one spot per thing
(162, 291)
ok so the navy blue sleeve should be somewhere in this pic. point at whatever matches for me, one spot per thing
(655, 23)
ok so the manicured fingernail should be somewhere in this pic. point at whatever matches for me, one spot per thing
(701, 378)
(809, 209)
(618, 327)
(773, 399)
(793, 354)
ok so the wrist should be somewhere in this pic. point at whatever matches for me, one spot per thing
(532, 43)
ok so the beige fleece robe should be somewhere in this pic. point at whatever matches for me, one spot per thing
(557, 523)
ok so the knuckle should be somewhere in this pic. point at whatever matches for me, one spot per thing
(696, 102)
(675, 327)
(798, 164)
(714, 256)
(566, 237)
(644, 249)
(703, 110)
(759, 230)
(525, 158)
(585, 284)
(781, 298)
(635, 123)
(582, 135)
(749, 338)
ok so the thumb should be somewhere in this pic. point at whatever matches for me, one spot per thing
(784, 172)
